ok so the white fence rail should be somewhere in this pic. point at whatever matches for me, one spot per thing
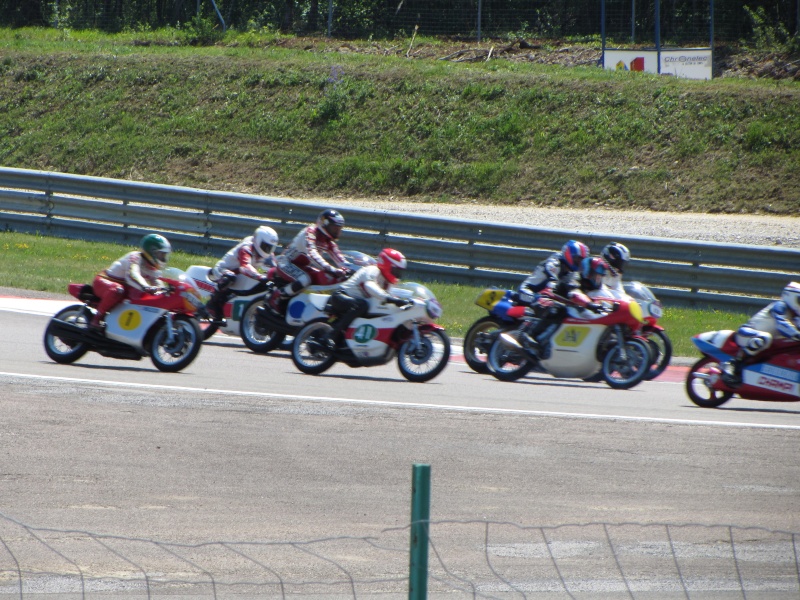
(681, 272)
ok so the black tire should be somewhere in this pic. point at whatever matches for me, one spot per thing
(308, 355)
(171, 357)
(662, 347)
(62, 351)
(427, 360)
(473, 353)
(508, 364)
(256, 337)
(624, 373)
(698, 388)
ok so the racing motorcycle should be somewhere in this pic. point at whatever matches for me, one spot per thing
(657, 338)
(162, 326)
(482, 333)
(263, 330)
(243, 291)
(774, 376)
(581, 346)
(409, 333)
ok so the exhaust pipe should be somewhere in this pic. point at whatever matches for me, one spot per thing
(509, 340)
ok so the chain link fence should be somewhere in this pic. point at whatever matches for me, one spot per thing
(682, 22)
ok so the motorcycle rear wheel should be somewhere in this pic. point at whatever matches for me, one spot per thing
(662, 347)
(260, 339)
(474, 355)
(171, 357)
(698, 388)
(507, 364)
(427, 360)
(63, 351)
(308, 354)
(622, 373)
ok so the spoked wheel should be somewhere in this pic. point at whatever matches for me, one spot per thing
(626, 367)
(424, 361)
(67, 351)
(309, 355)
(661, 345)
(259, 338)
(699, 384)
(172, 355)
(508, 364)
(477, 342)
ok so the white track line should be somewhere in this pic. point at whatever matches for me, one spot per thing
(383, 403)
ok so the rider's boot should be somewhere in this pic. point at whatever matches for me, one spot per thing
(732, 373)
(214, 307)
(277, 302)
(97, 324)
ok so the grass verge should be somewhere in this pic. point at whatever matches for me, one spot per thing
(49, 264)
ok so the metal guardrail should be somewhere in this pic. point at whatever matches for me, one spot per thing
(680, 272)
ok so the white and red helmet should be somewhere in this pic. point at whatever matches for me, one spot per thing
(264, 241)
(391, 264)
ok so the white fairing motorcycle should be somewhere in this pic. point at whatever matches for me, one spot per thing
(583, 345)
(409, 333)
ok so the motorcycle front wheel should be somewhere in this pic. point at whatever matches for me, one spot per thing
(427, 359)
(699, 382)
(507, 364)
(173, 355)
(309, 355)
(477, 342)
(259, 338)
(661, 346)
(623, 370)
(66, 351)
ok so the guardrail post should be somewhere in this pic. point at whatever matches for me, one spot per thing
(420, 523)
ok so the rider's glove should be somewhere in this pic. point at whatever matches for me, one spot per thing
(398, 301)
(152, 289)
(595, 307)
(338, 273)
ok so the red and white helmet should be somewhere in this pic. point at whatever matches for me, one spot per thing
(791, 296)
(391, 264)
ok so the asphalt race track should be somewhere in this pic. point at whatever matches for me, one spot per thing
(242, 447)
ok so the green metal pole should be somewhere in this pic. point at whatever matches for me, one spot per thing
(420, 520)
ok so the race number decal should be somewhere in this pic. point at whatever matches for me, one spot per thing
(365, 333)
(572, 336)
(129, 320)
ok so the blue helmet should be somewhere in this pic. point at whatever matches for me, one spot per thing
(573, 254)
(593, 269)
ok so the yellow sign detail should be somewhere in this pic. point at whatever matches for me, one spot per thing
(129, 320)
(572, 336)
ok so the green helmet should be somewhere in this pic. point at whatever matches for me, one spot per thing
(156, 249)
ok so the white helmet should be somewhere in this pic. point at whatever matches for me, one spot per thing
(264, 241)
(791, 296)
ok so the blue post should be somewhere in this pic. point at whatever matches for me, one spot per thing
(420, 521)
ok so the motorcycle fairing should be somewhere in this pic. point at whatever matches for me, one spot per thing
(716, 344)
(574, 351)
(772, 378)
(128, 323)
(305, 307)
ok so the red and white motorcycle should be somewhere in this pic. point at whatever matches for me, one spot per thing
(409, 333)
(773, 376)
(162, 326)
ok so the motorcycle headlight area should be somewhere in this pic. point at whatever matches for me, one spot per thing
(434, 309)
(656, 310)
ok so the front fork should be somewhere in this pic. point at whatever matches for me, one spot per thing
(170, 328)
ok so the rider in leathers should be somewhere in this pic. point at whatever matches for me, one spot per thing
(301, 263)
(777, 320)
(351, 300)
(250, 258)
(132, 275)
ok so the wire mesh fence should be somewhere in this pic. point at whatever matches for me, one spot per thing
(683, 22)
(478, 559)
